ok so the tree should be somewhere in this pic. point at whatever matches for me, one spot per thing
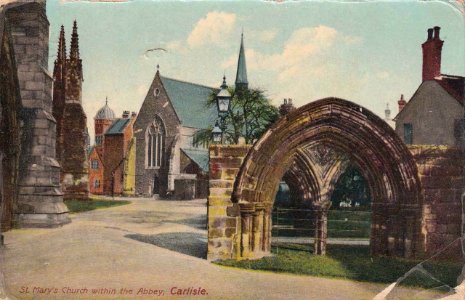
(351, 187)
(250, 115)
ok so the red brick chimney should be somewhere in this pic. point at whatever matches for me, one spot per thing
(432, 54)
(401, 103)
(125, 114)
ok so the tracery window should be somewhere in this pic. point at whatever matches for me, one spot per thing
(155, 143)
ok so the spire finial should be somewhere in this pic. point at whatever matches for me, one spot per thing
(61, 56)
(158, 67)
(106, 100)
(74, 51)
(224, 85)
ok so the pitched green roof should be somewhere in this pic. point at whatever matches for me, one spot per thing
(200, 157)
(118, 126)
(189, 101)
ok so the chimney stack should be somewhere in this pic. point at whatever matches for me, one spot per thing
(125, 114)
(401, 103)
(432, 49)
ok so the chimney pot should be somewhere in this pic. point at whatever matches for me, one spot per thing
(436, 32)
(430, 34)
(126, 114)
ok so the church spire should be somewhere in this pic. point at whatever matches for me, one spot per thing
(74, 51)
(241, 75)
(61, 55)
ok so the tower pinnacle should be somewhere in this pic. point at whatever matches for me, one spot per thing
(74, 51)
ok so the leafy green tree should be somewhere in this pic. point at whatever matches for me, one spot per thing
(351, 187)
(250, 115)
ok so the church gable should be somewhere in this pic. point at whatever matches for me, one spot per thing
(157, 103)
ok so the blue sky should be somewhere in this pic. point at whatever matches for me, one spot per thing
(368, 53)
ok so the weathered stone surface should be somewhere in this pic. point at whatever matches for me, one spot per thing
(40, 201)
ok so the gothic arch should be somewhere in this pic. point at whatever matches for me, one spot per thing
(367, 141)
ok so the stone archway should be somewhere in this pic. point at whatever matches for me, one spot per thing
(366, 140)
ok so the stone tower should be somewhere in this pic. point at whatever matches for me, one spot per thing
(241, 73)
(40, 200)
(432, 49)
(71, 119)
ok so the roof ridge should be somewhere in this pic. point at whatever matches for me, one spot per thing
(452, 76)
(192, 83)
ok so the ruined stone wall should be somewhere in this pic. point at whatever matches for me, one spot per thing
(441, 171)
(224, 223)
(40, 200)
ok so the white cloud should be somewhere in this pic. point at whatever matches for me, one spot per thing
(214, 28)
(264, 36)
(309, 66)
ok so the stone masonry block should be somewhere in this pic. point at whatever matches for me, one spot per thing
(219, 200)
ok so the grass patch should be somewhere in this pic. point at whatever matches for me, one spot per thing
(76, 206)
(351, 262)
(341, 223)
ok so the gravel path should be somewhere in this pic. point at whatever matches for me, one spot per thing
(147, 249)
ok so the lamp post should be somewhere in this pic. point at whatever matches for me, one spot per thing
(223, 102)
(217, 134)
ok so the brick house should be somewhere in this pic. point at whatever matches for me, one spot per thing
(95, 171)
(118, 144)
(102, 121)
(112, 158)
(434, 115)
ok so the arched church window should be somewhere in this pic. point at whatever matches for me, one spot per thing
(155, 144)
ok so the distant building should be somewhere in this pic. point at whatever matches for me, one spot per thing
(435, 113)
(72, 134)
(387, 116)
(112, 158)
(286, 107)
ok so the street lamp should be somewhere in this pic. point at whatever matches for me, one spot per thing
(217, 133)
(223, 99)
(223, 102)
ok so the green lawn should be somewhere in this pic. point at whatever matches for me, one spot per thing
(76, 206)
(341, 223)
(351, 262)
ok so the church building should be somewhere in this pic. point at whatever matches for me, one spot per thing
(167, 161)
(435, 113)
(71, 137)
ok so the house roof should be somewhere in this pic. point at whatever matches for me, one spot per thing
(430, 89)
(189, 101)
(453, 85)
(200, 157)
(118, 126)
